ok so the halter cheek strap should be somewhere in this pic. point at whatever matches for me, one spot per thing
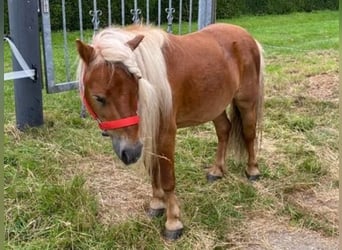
(114, 124)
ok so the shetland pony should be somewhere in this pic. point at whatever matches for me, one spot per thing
(141, 84)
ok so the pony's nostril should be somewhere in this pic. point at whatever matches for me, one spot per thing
(105, 133)
(125, 157)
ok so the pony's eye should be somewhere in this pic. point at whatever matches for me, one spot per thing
(100, 99)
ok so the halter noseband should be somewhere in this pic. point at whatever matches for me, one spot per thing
(114, 124)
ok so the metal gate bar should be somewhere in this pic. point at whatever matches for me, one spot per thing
(123, 12)
(65, 39)
(80, 14)
(147, 12)
(109, 13)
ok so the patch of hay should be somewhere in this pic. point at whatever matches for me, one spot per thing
(13, 131)
(324, 87)
(201, 239)
(319, 201)
(273, 233)
(330, 159)
(270, 152)
(122, 191)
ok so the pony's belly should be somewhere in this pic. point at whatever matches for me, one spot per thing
(190, 123)
(199, 115)
(193, 122)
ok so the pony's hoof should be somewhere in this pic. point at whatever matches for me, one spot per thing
(153, 213)
(213, 178)
(172, 234)
(252, 177)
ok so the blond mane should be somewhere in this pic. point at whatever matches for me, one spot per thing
(147, 63)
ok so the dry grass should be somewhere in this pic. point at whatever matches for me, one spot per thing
(323, 87)
(121, 192)
(275, 234)
(320, 201)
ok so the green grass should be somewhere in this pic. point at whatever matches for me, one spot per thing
(49, 206)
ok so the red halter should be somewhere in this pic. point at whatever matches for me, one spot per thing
(108, 125)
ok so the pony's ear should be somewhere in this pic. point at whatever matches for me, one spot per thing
(85, 51)
(135, 42)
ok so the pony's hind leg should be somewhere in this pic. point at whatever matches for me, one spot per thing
(248, 112)
(222, 127)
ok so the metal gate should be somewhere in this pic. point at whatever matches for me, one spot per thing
(67, 69)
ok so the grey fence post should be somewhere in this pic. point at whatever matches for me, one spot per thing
(206, 13)
(24, 32)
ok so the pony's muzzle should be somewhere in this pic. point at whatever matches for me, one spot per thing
(128, 153)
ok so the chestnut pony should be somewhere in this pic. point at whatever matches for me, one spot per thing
(141, 84)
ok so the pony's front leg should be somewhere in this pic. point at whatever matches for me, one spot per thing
(165, 149)
(157, 204)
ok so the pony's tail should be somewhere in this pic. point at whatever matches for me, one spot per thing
(236, 140)
(261, 94)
